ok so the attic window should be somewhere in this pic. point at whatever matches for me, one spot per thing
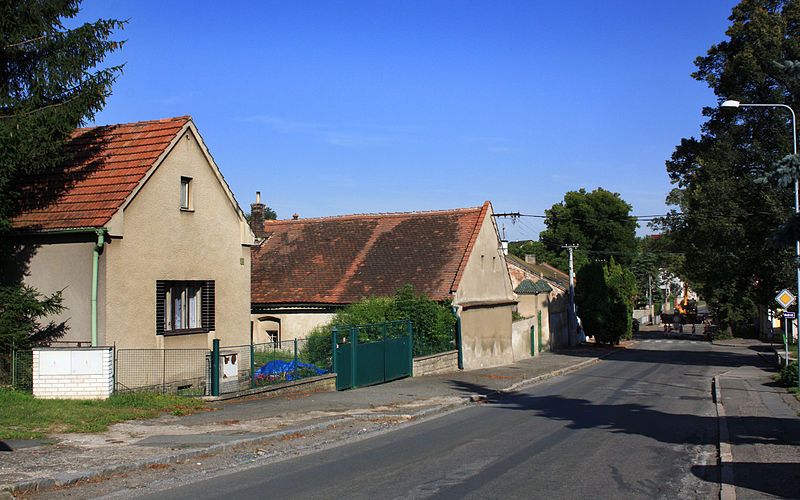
(186, 193)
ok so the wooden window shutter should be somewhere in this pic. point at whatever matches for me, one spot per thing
(161, 299)
(208, 305)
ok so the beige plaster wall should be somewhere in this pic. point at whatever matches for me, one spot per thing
(68, 267)
(486, 274)
(162, 242)
(486, 331)
(527, 305)
(292, 325)
(486, 337)
(521, 338)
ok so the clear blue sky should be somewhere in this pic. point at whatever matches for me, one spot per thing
(347, 107)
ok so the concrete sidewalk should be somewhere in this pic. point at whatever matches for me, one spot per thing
(760, 434)
(276, 426)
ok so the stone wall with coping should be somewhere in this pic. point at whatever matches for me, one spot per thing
(443, 362)
(73, 373)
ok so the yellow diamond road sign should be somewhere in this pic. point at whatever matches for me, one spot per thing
(785, 298)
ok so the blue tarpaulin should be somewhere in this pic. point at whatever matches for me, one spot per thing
(280, 367)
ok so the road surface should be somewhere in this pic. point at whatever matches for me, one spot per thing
(639, 424)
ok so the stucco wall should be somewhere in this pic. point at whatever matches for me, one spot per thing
(527, 305)
(66, 264)
(486, 330)
(162, 242)
(292, 325)
(486, 337)
(521, 338)
(486, 274)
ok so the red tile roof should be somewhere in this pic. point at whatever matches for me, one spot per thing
(108, 164)
(340, 260)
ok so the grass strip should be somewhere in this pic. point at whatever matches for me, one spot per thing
(24, 417)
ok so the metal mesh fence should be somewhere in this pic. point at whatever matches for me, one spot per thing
(16, 369)
(168, 371)
(285, 361)
(234, 368)
(22, 371)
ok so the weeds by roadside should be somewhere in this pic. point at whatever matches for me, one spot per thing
(24, 417)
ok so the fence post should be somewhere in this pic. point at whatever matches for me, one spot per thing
(410, 331)
(164, 371)
(13, 367)
(215, 367)
(252, 365)
(533, 340)
(335, 339)
(295, 354)
(353, 357)
(540, 331)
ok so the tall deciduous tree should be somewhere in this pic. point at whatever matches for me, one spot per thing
(51, 82)
(725, 215)
(598, 221)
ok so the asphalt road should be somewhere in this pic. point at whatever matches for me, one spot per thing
(640, 424)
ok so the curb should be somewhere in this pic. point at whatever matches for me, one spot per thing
(67, 479)
(727, 490)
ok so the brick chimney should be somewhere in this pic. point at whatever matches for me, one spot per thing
(295, 216)
(530, 258)
(257, 217)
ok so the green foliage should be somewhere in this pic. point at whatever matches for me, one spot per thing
(537, 248)
(318, 349)
(433, 324)
(604, 296)
(598, 221)
(20, 309)
(787, 377)
(24, 417)
(726, 215)
(51, 82)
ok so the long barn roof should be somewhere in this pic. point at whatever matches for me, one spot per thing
(340, 260)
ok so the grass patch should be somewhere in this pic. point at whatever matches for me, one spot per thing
(24, 417)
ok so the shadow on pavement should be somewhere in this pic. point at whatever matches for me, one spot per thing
(777, 479)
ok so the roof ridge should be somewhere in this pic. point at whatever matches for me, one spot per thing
(373, 215)
(142, 122)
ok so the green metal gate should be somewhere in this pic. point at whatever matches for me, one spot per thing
(372, 354)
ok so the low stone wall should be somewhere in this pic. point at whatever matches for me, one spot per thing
(73, 373)
(444, 362)
(322, 383)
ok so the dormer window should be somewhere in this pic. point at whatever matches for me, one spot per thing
(186, 193)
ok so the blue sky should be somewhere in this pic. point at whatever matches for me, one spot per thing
(337, 107)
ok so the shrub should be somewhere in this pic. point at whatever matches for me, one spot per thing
(433, 324)
(604, 295)
(788, 375)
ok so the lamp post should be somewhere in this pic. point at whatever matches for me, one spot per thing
(737, 104)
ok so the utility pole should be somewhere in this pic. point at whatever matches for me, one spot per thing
(571, 316)
(650, 299)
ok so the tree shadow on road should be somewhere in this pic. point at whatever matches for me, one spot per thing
(779, 479)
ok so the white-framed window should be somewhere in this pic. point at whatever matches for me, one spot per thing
(186, 193)
(184, 307)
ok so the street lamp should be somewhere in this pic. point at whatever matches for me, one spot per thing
(736, 104)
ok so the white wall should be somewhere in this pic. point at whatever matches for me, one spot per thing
(64, 373)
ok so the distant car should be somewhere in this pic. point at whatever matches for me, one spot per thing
(635, 325)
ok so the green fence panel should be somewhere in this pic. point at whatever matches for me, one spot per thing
(396, 358)
(370, 368)
(344, 367)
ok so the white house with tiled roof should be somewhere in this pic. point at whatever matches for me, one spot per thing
(144, 237)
